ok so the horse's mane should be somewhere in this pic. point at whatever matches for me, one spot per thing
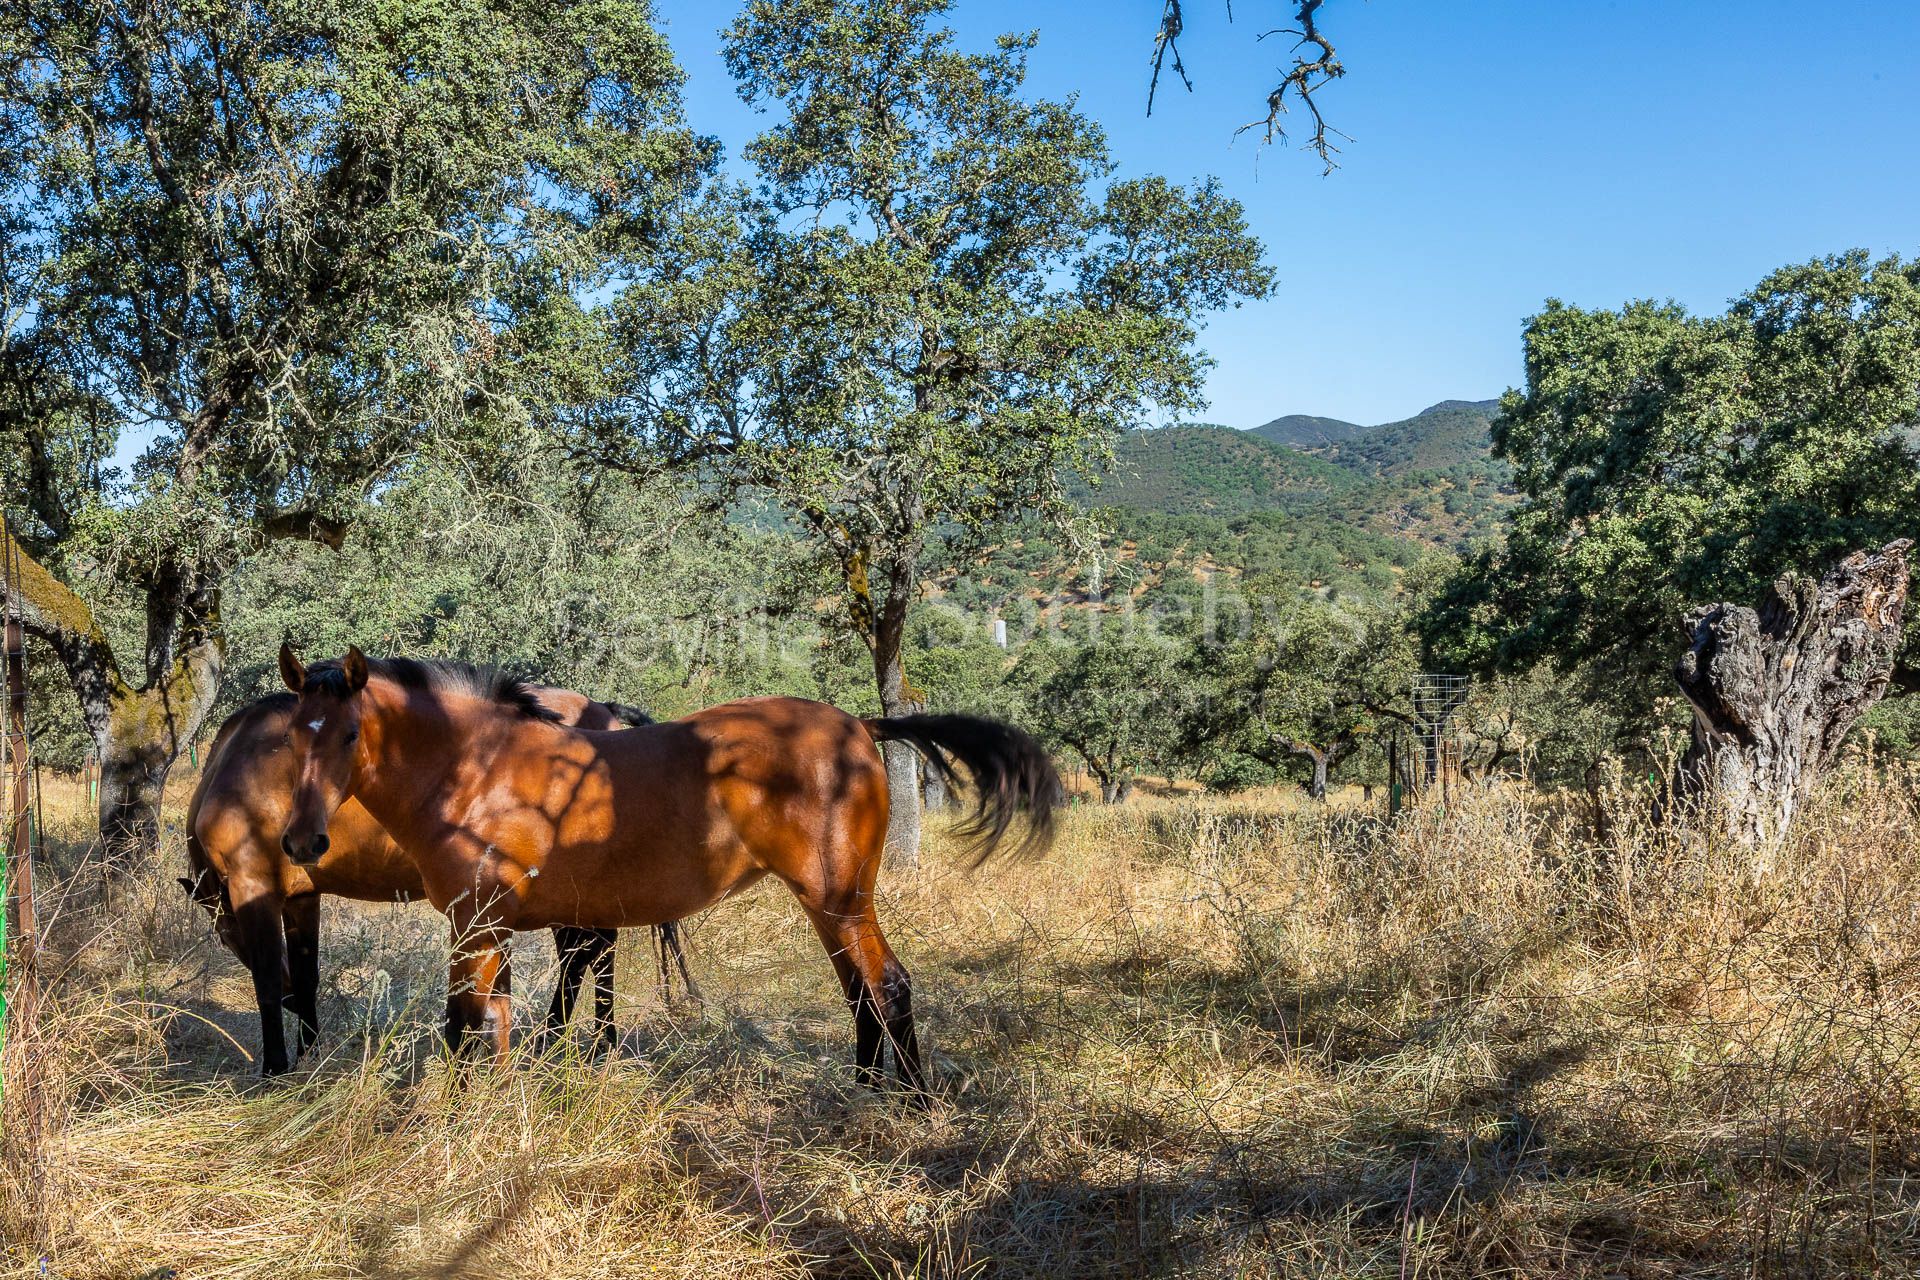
(439, 675)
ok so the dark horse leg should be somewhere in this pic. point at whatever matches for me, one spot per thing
(301, 919)
(577, 948)
(880, 993)
(258, 929)
(604, 1036)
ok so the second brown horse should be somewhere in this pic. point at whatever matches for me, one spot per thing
(518, 822)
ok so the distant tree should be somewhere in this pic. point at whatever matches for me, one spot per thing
(264, 246)
(934, 310)
(1668, 461)
(1115, 703)
(1304, 681)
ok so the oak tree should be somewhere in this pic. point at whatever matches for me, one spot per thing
(1668, 461)
(253, 251)
(936, 306)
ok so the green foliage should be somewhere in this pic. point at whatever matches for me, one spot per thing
(1235, 772)
(641, 593)
(1894, 726)
(287, 234)
(1668, 460)
(1294, 676)
(1116, 703)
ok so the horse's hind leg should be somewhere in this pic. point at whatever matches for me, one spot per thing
(604, 1036)
(301, 915)
(843, 950)
(670, 946)
(896, 1006)
(879, 991)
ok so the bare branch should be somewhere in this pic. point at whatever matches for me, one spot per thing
(1171, 24)
(1304, 78)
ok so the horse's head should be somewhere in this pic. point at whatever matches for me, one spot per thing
(325, 740)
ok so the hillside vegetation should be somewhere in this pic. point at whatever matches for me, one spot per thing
(1313, 501)
(1305, 431)
(1449, 436)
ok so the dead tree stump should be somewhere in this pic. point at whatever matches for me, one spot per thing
(1776, 690)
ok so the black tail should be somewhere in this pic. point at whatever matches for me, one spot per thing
(628, 715)
(1011, 772)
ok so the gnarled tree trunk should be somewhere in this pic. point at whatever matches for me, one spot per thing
(138, 732)
(1324, 759)
(1776, 690)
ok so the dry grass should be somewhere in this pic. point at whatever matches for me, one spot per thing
(1233, 1038)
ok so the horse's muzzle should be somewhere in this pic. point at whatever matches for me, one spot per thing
(312, 849)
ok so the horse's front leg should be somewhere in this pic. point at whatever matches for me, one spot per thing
(301, 917)
(257, 927)
(479, 989)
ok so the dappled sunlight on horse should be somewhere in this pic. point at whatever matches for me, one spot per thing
(517, 821)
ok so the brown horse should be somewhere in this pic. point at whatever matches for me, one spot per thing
(267, 910)
(518, 822)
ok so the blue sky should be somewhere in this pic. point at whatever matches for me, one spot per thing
(1503, 152)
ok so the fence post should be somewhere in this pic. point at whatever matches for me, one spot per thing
(16, 852)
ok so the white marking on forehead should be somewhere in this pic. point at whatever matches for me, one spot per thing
(315, 724)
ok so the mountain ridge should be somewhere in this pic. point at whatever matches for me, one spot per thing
(1430, 478)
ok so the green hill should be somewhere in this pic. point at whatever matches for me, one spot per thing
(1304, 431)
(1213, 470)
(1203, 503)
(1448, 435)
(1330, 505)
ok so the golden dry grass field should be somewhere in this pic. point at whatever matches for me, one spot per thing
(1202, 1037)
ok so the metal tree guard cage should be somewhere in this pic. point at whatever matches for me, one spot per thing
(1433, 757)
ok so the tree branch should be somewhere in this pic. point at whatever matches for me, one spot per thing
(1303, 79)
(305, 526)
(51, 611)
(1172, 23)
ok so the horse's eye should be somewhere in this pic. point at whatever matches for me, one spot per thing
(353, 735)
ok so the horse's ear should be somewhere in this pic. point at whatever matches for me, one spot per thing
(291, 669)
(354, 665)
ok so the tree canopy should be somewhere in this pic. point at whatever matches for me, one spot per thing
(1667, 460)
(265, 249)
